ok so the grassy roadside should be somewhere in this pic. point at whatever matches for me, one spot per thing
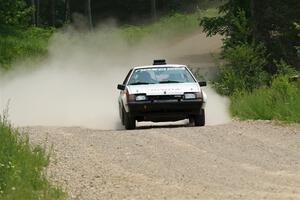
(22, 168)
(256, 94)
(19, 44)
(279, 101)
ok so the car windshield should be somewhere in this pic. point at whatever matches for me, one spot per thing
(161, 75)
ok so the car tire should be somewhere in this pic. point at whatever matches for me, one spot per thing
(200, 119)
(129, 121)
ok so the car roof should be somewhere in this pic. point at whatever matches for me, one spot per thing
(158, 66)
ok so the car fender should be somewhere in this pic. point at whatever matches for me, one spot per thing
(124, 101)
(204, 96)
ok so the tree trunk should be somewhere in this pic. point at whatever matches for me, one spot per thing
(67, 11)
(253, 19)
(89, 14)
(37, 12)
(53, 11)
(153, 9)
(33, 12)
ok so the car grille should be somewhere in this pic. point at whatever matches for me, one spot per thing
(165, 97)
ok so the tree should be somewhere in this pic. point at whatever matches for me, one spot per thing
(53, 12)
(153, 9)
(67, 11)
(298, 47)
(14, 12)
(132, 11)
(89, 14)
(37, 14)
(33, 12)
(270, 22)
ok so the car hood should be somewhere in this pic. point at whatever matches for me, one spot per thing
(164, 89)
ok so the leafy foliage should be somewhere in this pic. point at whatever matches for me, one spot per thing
(259, 45)
(280, 101)
(242, 70)
(22, 166)
(14, 12)
(298, 47)
(16, 44)
(268, 22)
(232, 21)
(283, 68)
(168, 26)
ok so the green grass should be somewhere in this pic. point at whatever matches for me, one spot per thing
(19, 44)
(280, 101)
(167, 27)
(22, 168)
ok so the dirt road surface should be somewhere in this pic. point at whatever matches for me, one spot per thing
(239, 160)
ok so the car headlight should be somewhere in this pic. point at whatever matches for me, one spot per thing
(188, 96)
(141, 98)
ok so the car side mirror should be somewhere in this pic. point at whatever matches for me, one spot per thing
(121, 87)
(202, 83)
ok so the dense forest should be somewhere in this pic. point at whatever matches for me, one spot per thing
(271, 23)
(58, 12)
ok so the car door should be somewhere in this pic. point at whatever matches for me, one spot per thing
(122, 93)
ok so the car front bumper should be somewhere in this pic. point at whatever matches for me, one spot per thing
(165, 110)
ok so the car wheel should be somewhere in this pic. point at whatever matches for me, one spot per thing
(129, 121)
(200, 119)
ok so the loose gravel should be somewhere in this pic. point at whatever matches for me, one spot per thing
(239, 160)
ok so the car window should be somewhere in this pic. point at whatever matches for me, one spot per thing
(161, 75)
(127, 77)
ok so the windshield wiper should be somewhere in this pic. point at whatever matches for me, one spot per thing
(169, 81)
(140, 83)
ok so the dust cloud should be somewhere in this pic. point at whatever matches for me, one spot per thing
(217, 108)
(75, 85)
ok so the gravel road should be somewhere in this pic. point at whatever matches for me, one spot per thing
(239, 160)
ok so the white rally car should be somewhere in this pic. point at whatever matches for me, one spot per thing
(159, 93)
